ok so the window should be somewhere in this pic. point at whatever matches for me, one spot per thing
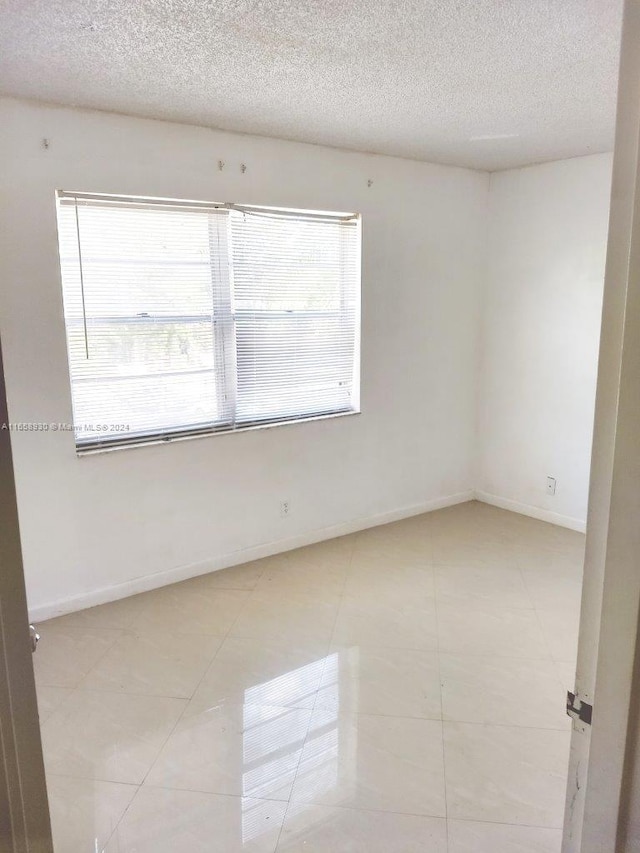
(186, 317)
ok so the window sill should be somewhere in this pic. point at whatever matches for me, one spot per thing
(191, 436)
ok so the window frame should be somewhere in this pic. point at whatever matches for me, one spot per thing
(227, 341)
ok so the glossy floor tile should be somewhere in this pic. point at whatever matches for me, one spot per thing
(164, 821)
(245, 750)
(485, 586)
(475, 548)
(49, 698)
(66, 653)
(560, 629)
(381, 680)
(506, 774)
(153, 663)
(384, 582)
(321, 829)
(114, 737)
(262, 672)
(84, 813)
(483, 630)
(410, 625)
(399, 690)
(287, 579)
(191, 607)
(371, 762)
(117, 615)
(503, 691)
(554, 592)
(472, 837)
(301, 616)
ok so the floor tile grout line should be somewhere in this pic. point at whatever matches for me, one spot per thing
(324, 666)
(321, 805)
(166, 740)
(299, 762)
(294, 707)
(545, 635)
(440, 686)
(93, 666)
(541, 626)
(188, 701)
(122, 816)
(91, 689)
(551, 658)
(131, 630)
(504, 823)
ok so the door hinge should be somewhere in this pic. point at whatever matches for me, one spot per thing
(579, 710)
(34, 637)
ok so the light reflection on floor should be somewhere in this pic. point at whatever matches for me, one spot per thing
(267, 743)
(358, 694)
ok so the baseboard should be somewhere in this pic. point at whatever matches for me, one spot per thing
(236, 558)
(532, 511)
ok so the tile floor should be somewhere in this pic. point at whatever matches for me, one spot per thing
(394, 691)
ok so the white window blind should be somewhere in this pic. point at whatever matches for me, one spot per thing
(189, 317)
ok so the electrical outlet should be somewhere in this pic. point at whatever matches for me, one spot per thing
(284, 508)
(551, 485)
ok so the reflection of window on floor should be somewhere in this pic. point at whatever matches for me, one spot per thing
(290, 688)
(318, 771)
(274, 734)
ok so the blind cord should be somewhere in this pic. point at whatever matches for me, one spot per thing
(84, 310)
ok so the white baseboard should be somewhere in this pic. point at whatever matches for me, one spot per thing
(532, 511)
(180, 573)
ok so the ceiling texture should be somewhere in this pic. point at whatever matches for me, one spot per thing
(489, 84)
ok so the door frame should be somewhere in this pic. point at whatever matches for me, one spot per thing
(24, 809)
(611, 591)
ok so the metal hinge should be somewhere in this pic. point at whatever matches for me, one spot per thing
(579, 710)
(34, 637)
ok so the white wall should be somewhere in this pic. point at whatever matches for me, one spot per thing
(540, 331)
(101, 526)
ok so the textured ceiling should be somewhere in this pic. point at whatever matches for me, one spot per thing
(483, 83)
